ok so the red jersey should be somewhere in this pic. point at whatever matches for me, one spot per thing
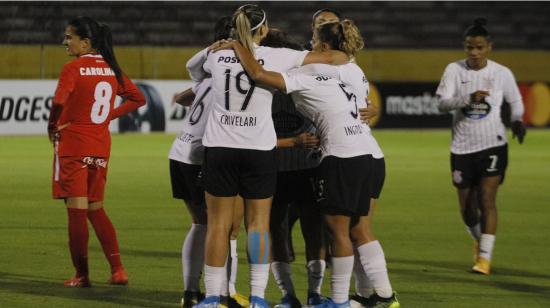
(86, 91)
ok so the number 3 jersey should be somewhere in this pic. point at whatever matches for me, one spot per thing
(333, 108)
(187, 147)
(86, 89)
(241, 111)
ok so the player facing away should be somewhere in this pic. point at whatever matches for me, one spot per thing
(473, 90)
(239, 157)
(78, 126)
(345, 149)
(186, 157)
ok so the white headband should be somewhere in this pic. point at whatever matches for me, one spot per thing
(260, 24)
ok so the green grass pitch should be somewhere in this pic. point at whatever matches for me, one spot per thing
(428, 251)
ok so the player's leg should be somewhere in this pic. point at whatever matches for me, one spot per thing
(233, 262)
(342, 257)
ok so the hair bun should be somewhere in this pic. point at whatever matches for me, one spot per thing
(480, 22)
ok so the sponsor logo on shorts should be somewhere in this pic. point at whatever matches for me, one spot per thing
(94, 161)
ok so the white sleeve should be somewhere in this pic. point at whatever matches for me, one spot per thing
(512, 96)
(290, 58)
(446, 92)
(195, 65)
(294, 82)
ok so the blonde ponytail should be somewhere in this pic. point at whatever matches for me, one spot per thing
(352, 42)
(243, 32)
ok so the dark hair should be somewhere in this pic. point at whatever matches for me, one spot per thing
(343, 35)
(277, 38)
(101, 38)
(478, 29)
(222, 29)
(316, 14)
(247, 20)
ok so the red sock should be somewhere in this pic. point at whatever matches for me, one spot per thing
(106, 234)
(78, 240)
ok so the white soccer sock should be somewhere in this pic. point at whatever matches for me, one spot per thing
(486, 244)
(224, 291)
(283, 277)
(363, 286)
(315, 274)
(374, 264)
(475, 231)
(213, 279)
(340, 278)
(233, 269)
(192, 257)
(259, 275)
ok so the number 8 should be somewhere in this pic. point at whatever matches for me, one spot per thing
(102, 102)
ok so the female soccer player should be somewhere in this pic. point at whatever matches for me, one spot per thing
(345, 171)
(473, 90)
(78, 126)
(239, 160)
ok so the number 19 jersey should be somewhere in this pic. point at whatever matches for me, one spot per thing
(241, 111)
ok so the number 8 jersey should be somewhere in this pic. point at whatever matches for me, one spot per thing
(86, 89)
(241, 113)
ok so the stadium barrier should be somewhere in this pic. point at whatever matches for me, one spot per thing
(25, 105)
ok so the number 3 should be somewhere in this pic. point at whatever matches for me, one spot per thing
(102, 102)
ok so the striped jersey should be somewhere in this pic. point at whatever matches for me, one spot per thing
(289, 123)
(187, 147)
(355, 80)
(478, 126)
(241, 113)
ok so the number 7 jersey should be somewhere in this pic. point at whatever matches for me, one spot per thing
(241, 111)
(87, 89)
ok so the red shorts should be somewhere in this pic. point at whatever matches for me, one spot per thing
(79, 176)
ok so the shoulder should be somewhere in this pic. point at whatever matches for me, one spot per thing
(499, 68)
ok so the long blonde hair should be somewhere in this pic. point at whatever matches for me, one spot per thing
(247, 20)
(343, 35)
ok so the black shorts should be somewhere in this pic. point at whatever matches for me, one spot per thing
(378, 177)
(468, 169)
(229, 172)
(295, 188)
(344, 185)
(186, 182)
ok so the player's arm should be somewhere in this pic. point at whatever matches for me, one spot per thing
(134, 98)
(65, 87)
(254, 70)
(195, 65)
(305, 140)
(512, 95)
(446, 92)
(369, 112)
(184, 98)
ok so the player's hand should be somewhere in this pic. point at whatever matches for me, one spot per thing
(306, 140)
(221, 45)
(478, 96)
(519, 131)
(53, 131)
(365, 114)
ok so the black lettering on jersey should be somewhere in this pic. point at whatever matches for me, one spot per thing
(223, 59)
(322, 78)
(198, 109)
(353, 130)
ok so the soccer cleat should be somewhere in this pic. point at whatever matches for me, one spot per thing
(119, 277)
(328, 303)
(358, 301)
(482, 266)
(314, 299)
(209, 302)
(240, 299)
(191, 298)
(376, 301)
(258, 302)
(289, 301)
(476, 250)
(78, 282)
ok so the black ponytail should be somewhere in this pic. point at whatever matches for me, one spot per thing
(101, 38)
(478, 29)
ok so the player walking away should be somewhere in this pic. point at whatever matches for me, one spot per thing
(239, 160)
(186, 157)
(346, 150)
(78, 126)
(473, 90)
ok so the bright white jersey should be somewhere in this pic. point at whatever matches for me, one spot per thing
(479, 126)
(333, 108)
(353, 77)
(187, 147)
(241, 113)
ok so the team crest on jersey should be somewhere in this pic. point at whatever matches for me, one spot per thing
(477, 111)
(457, 176)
